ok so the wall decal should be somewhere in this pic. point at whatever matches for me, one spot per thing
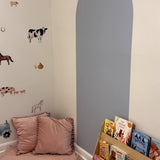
(5, 90)
(7, 58)
(37, 106)
(11, 90)
(14, 3)
(36, 33)
(23, 91)
(5, 130)
(40, 66)
(16, 92)
(3, 29)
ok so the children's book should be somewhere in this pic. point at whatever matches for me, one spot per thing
(154, 152)
(117, 154)
(113, 151)
(128, 158)
(104, 150)
(123, 130)
(108, 127)
(96, 157)
(141, 142)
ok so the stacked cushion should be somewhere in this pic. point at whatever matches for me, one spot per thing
(43, 134)
(27, 131)
(54, 136)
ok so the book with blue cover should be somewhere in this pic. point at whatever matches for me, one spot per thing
(141, 142)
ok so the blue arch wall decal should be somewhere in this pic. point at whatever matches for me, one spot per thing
(104, 37)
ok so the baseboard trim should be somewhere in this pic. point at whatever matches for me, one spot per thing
(84, 154)
(3, 146)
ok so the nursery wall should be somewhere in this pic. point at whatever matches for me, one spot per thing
(64, 58)
(21, 74)
(145, 67)
(104, 34)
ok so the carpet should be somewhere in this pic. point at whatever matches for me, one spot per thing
(10, 154)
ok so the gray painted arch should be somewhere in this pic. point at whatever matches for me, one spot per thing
(104, 37)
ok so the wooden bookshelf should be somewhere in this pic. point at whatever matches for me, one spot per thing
(130, 151)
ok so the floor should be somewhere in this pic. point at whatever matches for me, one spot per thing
(10, 153)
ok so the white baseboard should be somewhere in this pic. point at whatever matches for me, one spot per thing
(3, 146)
(84, 154)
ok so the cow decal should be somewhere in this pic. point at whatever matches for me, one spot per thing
(36, 33)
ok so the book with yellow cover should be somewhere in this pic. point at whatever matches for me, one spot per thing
(109, 127)
(104, 150)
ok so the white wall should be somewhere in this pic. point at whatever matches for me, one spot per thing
(145, 67)
(64, 58)
(21, 74)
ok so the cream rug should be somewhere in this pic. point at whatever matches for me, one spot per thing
(10, 154)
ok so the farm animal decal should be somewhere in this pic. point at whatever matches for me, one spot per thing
(6, 58)
(40, 66)
(36, 33)
(5, 130)
(37, 106)
(11, 90)
(5, 90)
(3, 29)
(14, 3)
(21, 91)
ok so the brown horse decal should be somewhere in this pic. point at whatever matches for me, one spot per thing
(7, 58)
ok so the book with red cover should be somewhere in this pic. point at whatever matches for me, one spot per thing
(154, 152)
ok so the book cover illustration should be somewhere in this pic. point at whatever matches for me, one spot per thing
(113, 151)
(154, 152)
(123, 130)
(104, 150)
(128, 158)
(96, 157)
(108, 127)
(141, 142)
(117, 154)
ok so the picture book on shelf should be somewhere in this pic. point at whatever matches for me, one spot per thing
(104, 150)
(117, 154)
(154, 152)
(141, 142)
(123, 130)
(128, 158)
(97, 157)
(108, 127)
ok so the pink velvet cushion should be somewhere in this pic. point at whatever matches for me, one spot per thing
(55, 136)
(26, 129)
